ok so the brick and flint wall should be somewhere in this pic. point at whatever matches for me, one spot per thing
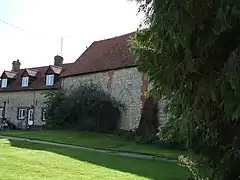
(127, 85)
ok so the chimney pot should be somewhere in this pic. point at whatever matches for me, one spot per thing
(58, 60)
(16, 65)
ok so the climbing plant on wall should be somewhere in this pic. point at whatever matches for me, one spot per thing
(191, 52)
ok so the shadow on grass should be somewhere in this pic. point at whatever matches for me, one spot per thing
(146, 168)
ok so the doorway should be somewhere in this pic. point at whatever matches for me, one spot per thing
(30, 114)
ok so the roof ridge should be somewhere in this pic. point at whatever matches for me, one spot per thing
(10, 71)
(84, 52)
(32, 68)
(55, 66)
(114, 37)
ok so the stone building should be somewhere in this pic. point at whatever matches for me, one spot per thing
(110, 64)
(107, 63)
(22, 91)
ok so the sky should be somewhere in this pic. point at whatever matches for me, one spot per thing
(31, 30)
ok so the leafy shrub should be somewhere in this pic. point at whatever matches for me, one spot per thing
(53, 101)
(87, 107)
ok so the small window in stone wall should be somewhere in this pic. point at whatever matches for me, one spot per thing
(21, 113)
(1, 112)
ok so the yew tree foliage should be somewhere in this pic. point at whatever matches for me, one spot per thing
(190, 50)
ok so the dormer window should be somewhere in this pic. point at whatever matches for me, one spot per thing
(7, 78)
(28, 76)
(51, 74)
(4, 82)
(49, 80)
(25, 81)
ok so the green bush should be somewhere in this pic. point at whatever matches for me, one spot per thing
(87, 107)
(53, 101)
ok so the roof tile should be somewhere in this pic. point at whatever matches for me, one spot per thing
(10, 74)
(104, 55)
(32, 72)
(56, 69)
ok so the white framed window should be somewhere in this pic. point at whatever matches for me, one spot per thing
(1, 112)
(50, 80)
(25, 81)
(21, 113)
(4, 83)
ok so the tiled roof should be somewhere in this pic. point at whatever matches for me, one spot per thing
(32, 72)
(56, 69)
(103, 55)
(37, 84)
(10, 74)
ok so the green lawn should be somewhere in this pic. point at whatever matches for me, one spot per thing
(27, 161)
(94, 140)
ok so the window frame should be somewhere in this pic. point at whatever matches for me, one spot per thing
(4, 82)
(49, 79)
(25, 81)
(18, 113)
(1, 111)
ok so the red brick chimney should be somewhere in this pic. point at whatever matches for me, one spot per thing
(16, 66)
(58, 60)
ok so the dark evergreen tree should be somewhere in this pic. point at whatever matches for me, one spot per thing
(190, 50)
